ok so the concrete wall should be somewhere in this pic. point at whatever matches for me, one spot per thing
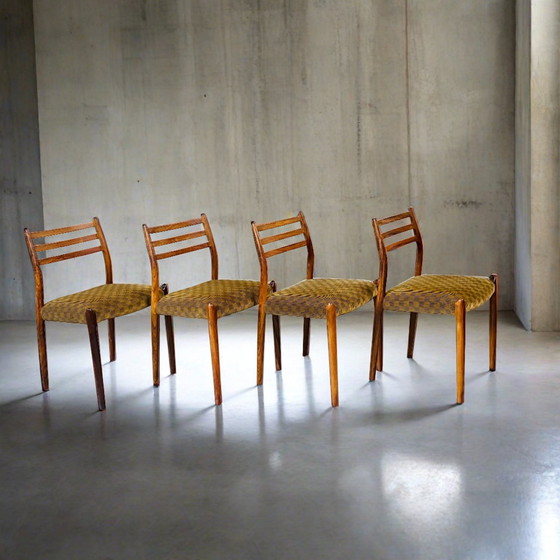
(20, 174)
(523, 263)
(244, 109)
(538, 168)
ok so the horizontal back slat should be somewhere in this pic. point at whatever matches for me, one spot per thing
(397, 231)
(176, 225)
(178, 238)
(72, 255)
(400, 243)
(285, 249)
(60, 231)
(66, 243)
(182, 251)
(280, 236)
(278, 223)
(395, 218)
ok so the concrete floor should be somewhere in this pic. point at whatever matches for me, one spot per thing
(397, 472)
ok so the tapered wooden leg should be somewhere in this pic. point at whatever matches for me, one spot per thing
(333, 359)
(91, 320)
(112, 344)
(42, 347)
(413, 322)
(215, 352)
(376, 359)
(170, 335)
(493, 322)
(306, 335)
(277, 342)
(155, 347)
(460, 350)
(261, 320)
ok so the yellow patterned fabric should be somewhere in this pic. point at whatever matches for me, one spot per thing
(228, 296)
(108, 301)
(309, 298)
(437, 293)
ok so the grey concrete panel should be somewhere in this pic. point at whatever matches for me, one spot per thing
(153, 112)
(20, 174)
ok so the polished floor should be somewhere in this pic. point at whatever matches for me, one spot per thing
(397, 472)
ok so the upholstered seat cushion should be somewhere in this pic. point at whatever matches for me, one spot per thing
(108, 301)
(228, 296)
(309, 298)
(438, 293)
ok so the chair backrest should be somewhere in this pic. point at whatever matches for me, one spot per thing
(405, 226)
(282, 236)
(72, 244)
(179, 238)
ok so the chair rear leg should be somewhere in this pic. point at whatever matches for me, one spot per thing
(215, 352)
(261, 323)
(170, 335)
(493, 322)
(42, 347)
(460, 350)
(277, 342)
(112, 343)
(91, 320)
(333, 358)
(306, 335)
(413, 323)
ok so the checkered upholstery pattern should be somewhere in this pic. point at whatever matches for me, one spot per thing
(309, 298)
(437, 293)
(228, 296)
(108, 301)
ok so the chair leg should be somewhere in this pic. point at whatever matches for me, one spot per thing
(215, 352)
(493, 322)
(91, 320)
(460, 350)
(306, 333)
(333, 359)
(112, 344)
(170, 335)
(261, 321)
(42, 347)
(277, 342)
(376, 359)
(413, 322)
(155, 347)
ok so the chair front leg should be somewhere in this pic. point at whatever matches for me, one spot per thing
(413, 322)
(376, 359)
(261, 323)
(215, 352)
(154, 318)
(460, 349)
(112, 343)
(493, 327)
(42, 347)
(91, 321)
(170, 335)
(333, 358)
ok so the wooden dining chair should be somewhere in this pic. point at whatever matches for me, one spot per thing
(317, 298)
(440, 294)
(90, 306)
(208, 300)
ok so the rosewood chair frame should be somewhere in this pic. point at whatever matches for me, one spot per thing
(407, 234)
(291, 240)
(94, 243)
(184, 243)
